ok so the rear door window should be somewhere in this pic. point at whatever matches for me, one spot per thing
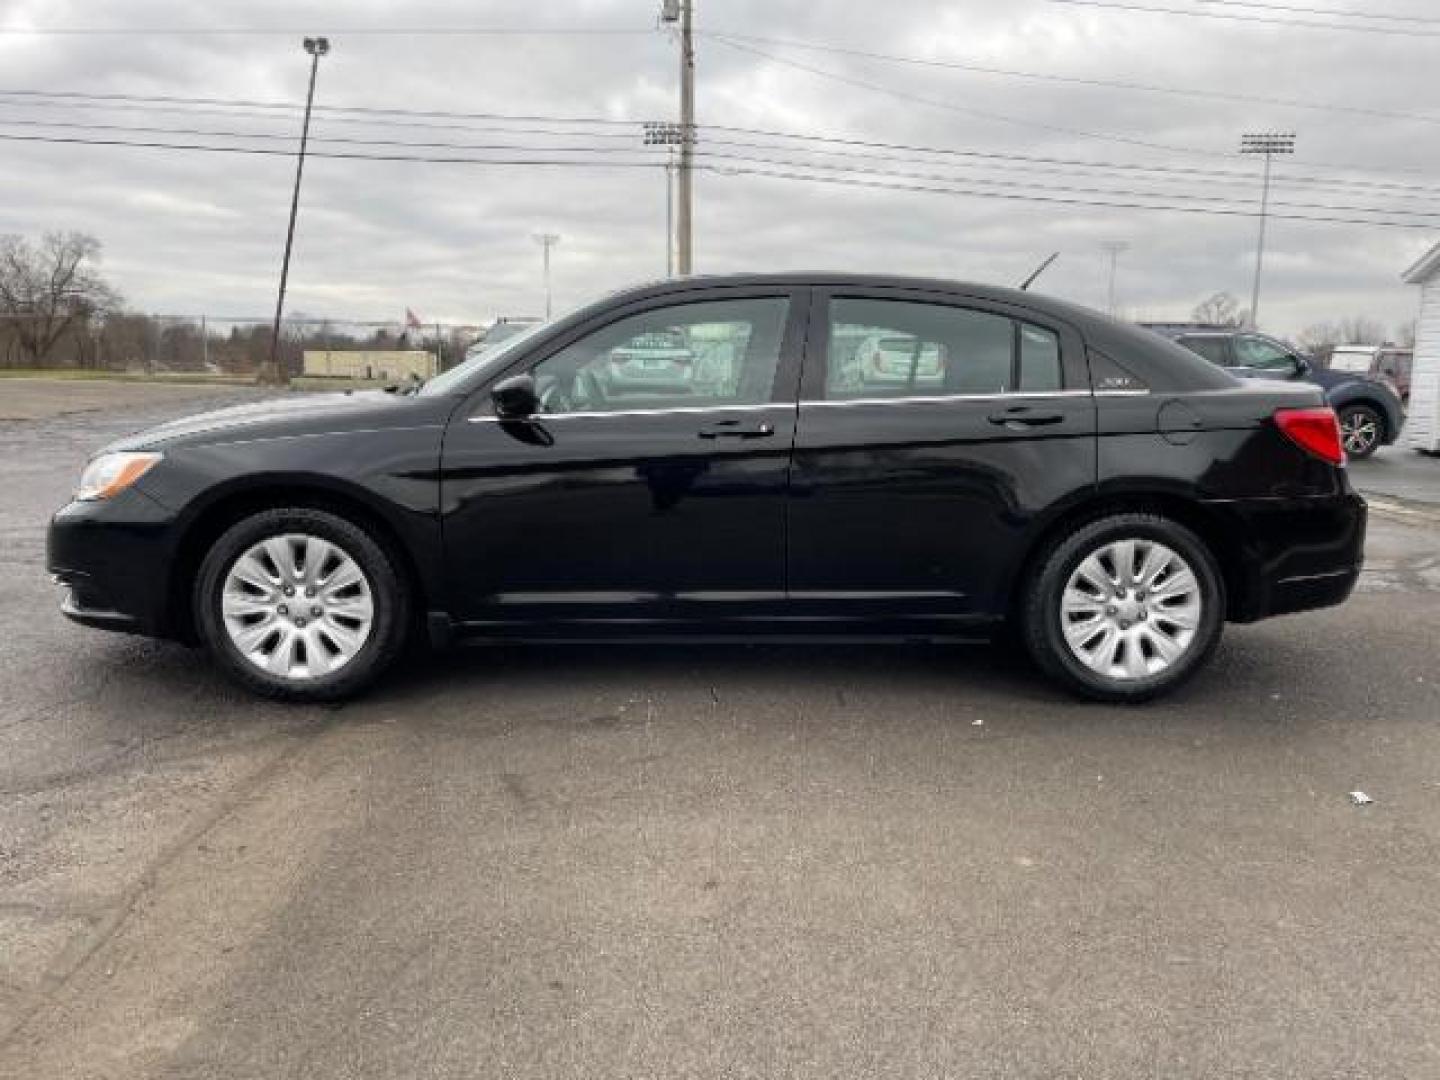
(902, 348)
(1214, 349)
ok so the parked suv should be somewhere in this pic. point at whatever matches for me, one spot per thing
(1371, 412)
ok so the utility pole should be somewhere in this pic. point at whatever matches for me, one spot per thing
(1115, 248)
(546, 242)
(683, 11)
(316, 47)
(1269, 144)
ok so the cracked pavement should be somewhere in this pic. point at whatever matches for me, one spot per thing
(702, 861)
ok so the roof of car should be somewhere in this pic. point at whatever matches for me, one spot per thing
(1062, 309)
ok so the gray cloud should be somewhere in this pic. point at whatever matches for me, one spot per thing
(191, 233)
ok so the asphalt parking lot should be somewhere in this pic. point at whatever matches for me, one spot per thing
(702, 861)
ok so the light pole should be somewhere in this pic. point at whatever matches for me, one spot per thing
(1269, 144)
(668, 135)
(316, 47)
(546, 242)
(683, 11)
(1115, 248)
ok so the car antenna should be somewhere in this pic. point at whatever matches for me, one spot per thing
(1038, 271)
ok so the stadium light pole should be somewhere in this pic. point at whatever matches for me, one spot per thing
(546, 242)
(316, 47)
(668, 135)
(1115, 248)
(1269, 144)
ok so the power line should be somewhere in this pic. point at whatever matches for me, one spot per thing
(811, 144)
(1308, 24)
(1343, 12)
(1073, 80)
(299, 31)
(623, 129)
(332, 139)
(919, 99)
(67, 95)
(884, 184)
(949, 106)
(1055, 165)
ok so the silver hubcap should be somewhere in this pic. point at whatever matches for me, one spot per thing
(1359, 431)
(297, 607)
(1130, 609)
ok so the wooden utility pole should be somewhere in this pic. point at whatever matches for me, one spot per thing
(687, 135)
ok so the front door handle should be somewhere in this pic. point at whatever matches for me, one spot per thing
(737, 429)
(1019, 417)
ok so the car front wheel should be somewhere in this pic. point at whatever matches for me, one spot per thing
(1125, 608)
(1362, 429)
(301, 604)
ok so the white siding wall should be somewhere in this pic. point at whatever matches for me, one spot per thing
(1422, 427)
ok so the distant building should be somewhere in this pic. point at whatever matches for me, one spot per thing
(1422, 428)
(384, 366)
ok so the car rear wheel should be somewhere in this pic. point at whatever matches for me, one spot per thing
(301, 604)
(1361, 428)
(1125, 608)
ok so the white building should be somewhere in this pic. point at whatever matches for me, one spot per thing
(1422, 426)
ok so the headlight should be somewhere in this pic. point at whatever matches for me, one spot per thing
(109, 474)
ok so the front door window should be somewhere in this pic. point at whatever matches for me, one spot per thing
(712, 354)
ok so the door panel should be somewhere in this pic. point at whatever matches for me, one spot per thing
(612, 509)
(923, 503)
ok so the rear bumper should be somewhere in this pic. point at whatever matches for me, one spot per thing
(113, 559)
(1299, 554)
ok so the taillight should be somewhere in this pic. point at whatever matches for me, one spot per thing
(1315, 431)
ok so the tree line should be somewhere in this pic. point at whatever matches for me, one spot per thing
(58, 311)
(1318, 339)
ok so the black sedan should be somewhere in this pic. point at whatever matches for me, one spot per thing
(1015, 460)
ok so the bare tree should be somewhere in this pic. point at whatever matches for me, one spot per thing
(1358, 330)
(1220, 309)
(48, 290)
(1405, 335)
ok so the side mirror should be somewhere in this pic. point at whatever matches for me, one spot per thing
(515, 397)
(1302, 366)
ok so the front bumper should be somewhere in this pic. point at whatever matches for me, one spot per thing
(1300, 554)
(113, 558)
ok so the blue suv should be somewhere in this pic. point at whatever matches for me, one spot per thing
(1371, 414)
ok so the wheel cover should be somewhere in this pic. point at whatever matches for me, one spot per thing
(1359, 430)
(1131, 609)
(297, 607)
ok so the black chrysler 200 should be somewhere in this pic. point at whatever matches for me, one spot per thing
(867, 456)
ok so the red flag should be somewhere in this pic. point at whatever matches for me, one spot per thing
(412, 321)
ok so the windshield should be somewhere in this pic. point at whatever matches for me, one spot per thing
(480, 362)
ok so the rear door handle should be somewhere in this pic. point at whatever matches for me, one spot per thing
(1019, 417)
(736, 429)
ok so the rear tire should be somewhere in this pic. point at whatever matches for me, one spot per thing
(301, 605)
(1362, 430)
(1119, 634)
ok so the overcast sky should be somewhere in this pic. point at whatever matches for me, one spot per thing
(191, 233)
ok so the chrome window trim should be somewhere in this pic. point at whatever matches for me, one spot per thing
(679, 410)
(1006, 395)
(787, 406)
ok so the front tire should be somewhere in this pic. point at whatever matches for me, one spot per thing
(1362, 429)
(301, 605)
(1125, 609)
